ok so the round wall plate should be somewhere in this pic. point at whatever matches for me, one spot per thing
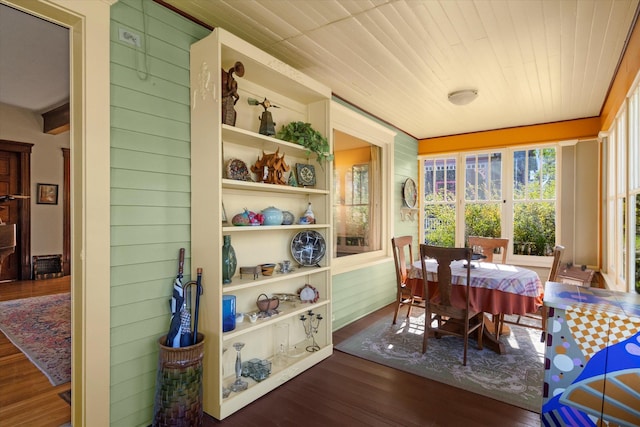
(409, 193)
(308, 247)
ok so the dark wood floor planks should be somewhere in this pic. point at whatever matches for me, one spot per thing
(343, 390)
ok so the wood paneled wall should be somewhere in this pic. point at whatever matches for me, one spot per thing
(150, 194)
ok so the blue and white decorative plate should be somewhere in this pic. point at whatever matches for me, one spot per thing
(308, 247)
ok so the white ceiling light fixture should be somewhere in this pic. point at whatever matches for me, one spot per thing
(463, 97)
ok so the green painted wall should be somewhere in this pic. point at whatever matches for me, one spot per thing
(359, 292)
(150, 194)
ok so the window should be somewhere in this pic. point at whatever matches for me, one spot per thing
(621, 183)
(357, 203)
(534, 201)
(361, 173)
(634, 187)
(622, 187)
(521, 207)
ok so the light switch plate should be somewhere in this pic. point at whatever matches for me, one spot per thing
(129, 37)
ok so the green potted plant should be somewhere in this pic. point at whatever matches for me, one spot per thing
(303, 134)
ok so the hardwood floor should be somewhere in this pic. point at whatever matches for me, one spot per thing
(341, 391)
(345, 390)
(27, 398)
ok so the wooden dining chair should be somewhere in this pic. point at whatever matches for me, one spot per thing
(488, 245)
(541, 314)
(403, 254)
(451, 319)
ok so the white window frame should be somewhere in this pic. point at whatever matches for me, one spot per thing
(507, 194)
(353, 123)
(622, 182)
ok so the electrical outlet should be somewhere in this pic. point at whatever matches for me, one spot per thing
(129, 37)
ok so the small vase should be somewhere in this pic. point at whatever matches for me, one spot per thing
(309, 216)
(229, 262)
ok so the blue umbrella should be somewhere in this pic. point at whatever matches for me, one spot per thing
(177, 303)
(185, 317)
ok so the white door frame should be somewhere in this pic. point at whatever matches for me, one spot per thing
(89, 25)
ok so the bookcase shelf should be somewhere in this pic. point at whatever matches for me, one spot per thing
(213, 144)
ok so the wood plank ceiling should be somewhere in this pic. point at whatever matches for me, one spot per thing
(532, 61)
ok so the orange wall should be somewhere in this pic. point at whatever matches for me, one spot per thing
(560, 131)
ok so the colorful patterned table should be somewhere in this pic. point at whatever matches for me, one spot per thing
(592, 357)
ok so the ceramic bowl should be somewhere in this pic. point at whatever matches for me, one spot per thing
(267, 269)
(272, 216)
(287, 218)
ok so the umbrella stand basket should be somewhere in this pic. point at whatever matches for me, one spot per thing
(178, 400)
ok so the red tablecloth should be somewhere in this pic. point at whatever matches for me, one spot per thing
(495, 288)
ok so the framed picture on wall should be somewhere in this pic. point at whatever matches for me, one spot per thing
(47, 194)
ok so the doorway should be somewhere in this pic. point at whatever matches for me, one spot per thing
(15, 179)
(89, 25)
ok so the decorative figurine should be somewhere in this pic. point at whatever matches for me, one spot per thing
(270, 168)
(252, 270)
(230, 93)
(267, 125)
(292, 181)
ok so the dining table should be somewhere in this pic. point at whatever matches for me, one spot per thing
(494, 289)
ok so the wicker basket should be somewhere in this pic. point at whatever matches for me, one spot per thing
(178, 400)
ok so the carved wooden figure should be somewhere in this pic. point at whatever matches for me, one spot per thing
(270, 168)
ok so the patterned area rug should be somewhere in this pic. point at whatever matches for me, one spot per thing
(515, 377)
(41, 328)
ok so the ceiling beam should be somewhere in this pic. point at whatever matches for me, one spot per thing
(57, 120)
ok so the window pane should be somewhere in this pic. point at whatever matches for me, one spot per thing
(482, 219)
(548, 174)
(483, 197)
(519, 174)
(470, 181)
(439, 196)
(534, 206)
(637, 244)
(622, 230)
(356, 212)
(450, 183)
(534, 228)
(496, 176)
(440, 225)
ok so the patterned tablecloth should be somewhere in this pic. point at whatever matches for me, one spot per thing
(500, 277)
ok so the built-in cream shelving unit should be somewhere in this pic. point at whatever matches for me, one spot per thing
(299, 98)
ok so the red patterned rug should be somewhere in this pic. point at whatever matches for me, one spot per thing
(41, 328)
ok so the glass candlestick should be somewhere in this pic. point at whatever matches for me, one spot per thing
(226, 391)
(239, 384)
(281, 344)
